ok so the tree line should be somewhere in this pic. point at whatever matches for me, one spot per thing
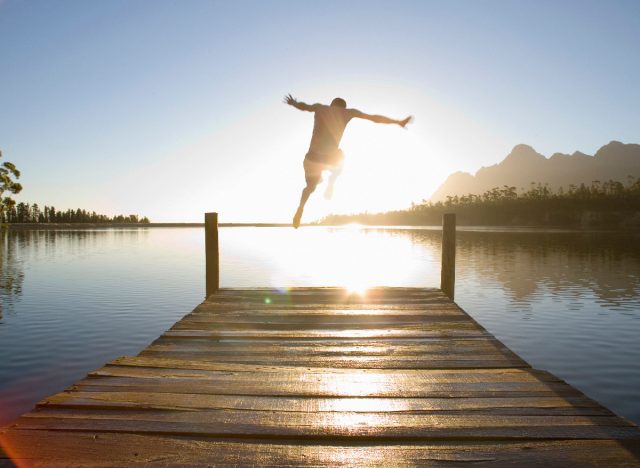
(600, 204)
(10, 212)
(26, 213)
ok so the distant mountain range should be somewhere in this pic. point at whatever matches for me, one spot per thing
(614, 161)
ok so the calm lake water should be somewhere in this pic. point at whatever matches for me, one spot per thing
(72, 300)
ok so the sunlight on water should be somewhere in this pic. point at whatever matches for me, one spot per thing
(352, 258)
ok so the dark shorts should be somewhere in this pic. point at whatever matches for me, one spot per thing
(315, 163)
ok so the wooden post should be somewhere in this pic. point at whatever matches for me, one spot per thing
(448, 272)
(211, 252)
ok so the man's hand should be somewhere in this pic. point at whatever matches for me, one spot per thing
(403, 123)
(289, 99)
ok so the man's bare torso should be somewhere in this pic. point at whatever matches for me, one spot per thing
(328, 127)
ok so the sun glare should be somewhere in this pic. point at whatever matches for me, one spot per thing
(355, 258)
(357, 288)
(355, 385)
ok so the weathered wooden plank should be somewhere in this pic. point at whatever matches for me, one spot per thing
(330, 352)
(362, 362)
(210, 335)
(327, 320)
(337, 324)
(346, 351)
(283, 328)
(326, 387)
(330, 308)
(394, 377)
(375, 422)
(327, 308)
(289, 380)
(322, 346)
(234, 423)
(551, 405)
(467, 332)
(425, 346)
(354, 359)
(144, 361)
(318, 349)
(44, 448)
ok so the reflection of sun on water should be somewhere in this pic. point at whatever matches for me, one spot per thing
(356, 283)
(352, 257)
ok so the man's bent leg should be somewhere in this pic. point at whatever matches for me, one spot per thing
(312, 176)
(306, 192)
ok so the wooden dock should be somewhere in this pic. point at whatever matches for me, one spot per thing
(318, 376)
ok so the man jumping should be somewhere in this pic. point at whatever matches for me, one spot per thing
(324, 153)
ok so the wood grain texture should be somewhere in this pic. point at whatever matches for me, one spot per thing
(58, 448)
(318, 376)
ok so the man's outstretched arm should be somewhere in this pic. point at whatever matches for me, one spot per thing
(289, 99)
(381, 118)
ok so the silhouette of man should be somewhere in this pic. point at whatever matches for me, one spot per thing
(324, 153)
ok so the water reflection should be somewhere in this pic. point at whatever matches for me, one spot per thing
(566, 264)
(20, 247)
(11, 272)
(68, 301)
(524, 265)
(351, 258)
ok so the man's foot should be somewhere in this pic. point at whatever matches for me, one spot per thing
(297, 217)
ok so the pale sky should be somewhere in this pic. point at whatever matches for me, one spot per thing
(172, 108)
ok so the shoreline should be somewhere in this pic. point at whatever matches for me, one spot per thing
(36, 226)
(462, 228)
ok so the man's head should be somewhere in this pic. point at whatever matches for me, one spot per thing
(339, 102)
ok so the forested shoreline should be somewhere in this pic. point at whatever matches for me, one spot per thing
(27, 213)
(611, 204)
